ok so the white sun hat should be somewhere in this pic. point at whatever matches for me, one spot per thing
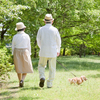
(20, 25)
(48, 18)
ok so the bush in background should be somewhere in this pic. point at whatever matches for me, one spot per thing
(6, 63)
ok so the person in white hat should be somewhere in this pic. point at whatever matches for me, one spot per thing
(21, 49)
(49, 42)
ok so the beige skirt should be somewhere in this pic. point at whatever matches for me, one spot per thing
(22, 61)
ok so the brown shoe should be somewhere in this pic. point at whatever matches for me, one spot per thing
(42, 80)
(21, 83)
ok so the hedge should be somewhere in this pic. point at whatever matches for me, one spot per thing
(6, 63)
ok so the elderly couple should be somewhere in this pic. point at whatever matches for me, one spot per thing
(49, 42)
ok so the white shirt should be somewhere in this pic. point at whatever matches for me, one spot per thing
(49, 41)
(21, 40)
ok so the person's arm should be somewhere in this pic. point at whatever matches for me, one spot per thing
(13, 46)
(58, 40)
(29, 45)
(38, 38)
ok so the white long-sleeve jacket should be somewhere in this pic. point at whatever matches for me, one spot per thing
(21, 40)
(49, 41)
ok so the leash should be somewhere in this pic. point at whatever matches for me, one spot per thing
(65, 68)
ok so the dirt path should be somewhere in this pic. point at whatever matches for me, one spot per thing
(8, 91)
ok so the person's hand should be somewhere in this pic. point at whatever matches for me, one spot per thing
(58, 54)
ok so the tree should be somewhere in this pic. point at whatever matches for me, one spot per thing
(76, 20)
(9, 13)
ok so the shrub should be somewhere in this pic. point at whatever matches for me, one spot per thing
(6, 65)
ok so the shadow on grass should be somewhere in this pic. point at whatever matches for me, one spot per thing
(20, 98)
(16, 87)
(17, 81)
(7, 98)
(7, 93)
(31, 88)
(4, 93)
(13, 82)
(94, 76)
(28, 98)
(90, 62)
(25, 88)
(12, 90)
(78, 65)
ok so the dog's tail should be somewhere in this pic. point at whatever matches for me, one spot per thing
(69, 79)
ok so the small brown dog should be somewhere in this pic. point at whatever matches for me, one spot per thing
(77, 80)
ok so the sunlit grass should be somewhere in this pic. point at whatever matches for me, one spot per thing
(62, 90)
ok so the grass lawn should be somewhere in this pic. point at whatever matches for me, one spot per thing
(62, 90)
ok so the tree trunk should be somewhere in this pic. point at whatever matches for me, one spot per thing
(84, 49)
(64, 52)
(4, 30)
(2, 35)
(98, 53)
(80, 51)
(35, 49)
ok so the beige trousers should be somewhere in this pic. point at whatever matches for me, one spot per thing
(52, 69)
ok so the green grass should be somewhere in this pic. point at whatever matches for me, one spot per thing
(62, 90)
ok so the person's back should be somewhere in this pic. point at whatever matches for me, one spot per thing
(48, 35)
(21, 40)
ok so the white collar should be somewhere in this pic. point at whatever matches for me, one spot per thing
(48, 24)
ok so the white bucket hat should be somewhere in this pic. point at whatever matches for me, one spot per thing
(19, 26)
(48, 18)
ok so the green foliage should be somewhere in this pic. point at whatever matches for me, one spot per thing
(67, 52)
(61, 51)
(6, 65)
(9, 10)
(9, 15)
(77, 21)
